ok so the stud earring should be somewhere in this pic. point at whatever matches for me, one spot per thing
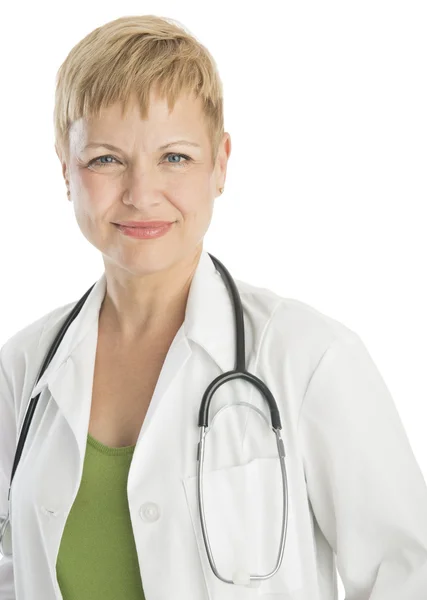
(221, 190)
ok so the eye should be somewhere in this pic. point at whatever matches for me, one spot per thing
(102, 164)
(180, 164)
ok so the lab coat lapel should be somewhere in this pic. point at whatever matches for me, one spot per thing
(209, 322)
(209, 317)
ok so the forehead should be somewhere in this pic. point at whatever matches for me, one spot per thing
(185, 118)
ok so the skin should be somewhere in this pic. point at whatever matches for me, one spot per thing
(148, 280)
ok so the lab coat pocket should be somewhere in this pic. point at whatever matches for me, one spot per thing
(243, 511)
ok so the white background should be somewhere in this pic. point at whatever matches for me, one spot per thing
(325, 194)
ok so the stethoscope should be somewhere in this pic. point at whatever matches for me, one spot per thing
(240, 577)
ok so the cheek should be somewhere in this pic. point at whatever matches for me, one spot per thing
(89, 215)
(89, 180)
(197, 214)
(93, 198)
(97, 187)
(193, 198)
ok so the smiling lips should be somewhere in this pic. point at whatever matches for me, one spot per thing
(146, 232)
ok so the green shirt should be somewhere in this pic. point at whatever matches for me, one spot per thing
(97, 556)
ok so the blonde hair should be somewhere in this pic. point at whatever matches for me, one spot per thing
(128, 56)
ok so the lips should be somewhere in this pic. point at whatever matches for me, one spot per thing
(142, 233)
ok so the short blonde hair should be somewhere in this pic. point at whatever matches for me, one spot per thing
(128, 56)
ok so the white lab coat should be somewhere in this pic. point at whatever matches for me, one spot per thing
(357, 497)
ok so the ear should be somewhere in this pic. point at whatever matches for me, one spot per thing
(223, 156)
(63, 163)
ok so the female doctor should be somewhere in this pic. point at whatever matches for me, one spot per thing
(105, 499)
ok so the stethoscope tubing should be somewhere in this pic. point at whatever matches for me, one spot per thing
(239, 372)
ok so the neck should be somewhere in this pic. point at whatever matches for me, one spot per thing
(135, 308)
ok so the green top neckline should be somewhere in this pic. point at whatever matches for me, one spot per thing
(110, 450)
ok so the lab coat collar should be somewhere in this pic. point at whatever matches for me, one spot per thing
(208, 321)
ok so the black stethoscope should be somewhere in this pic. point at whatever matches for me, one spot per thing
(239, 577)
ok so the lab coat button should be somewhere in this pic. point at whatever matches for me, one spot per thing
(149, 512)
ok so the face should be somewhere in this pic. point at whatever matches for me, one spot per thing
(138, 181)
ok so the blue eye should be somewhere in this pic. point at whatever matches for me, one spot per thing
(102, 164)
(187, 158)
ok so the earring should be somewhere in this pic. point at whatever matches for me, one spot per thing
(221, 190)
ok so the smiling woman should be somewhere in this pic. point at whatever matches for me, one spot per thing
(146, 91)
(110, 500)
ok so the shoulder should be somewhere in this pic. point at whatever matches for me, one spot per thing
(289, 323)
(18, 354)
(287, 339)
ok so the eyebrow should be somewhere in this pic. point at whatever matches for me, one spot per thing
(163, 147)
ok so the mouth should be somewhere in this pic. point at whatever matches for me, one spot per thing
(144, 232)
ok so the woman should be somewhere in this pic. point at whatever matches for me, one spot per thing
(105, 496)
